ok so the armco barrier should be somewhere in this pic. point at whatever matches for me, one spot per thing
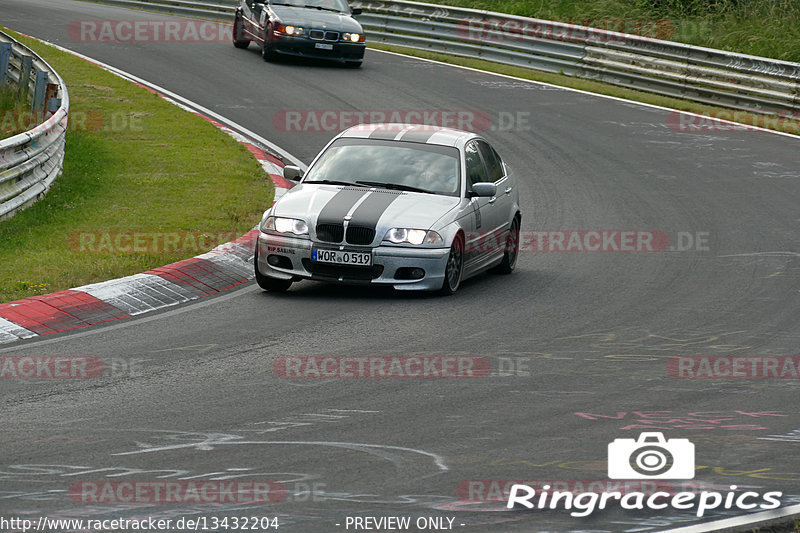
(30, 161)
(700, 74)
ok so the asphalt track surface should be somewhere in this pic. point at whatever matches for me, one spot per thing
(200, 399)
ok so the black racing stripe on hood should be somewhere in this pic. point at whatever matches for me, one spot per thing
(369, 212)
(338, 206)
(419, 135)
(384, 134)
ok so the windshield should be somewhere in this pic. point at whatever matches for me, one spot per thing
(398, 165)
(332, 5)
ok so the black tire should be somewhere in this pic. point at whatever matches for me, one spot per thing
(267, 52)
(455, 267)
(238, 41)
(511, 254)
(267, 283)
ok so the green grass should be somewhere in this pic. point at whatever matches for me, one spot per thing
(14, 118)
(769, 28)
(134, 163)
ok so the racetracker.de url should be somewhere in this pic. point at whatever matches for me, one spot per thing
(44, 524)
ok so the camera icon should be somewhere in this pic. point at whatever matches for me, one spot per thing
(651, 457)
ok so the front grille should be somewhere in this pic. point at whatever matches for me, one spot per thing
(330, 232)
(346, 272)
(359, 235)
(319, 35)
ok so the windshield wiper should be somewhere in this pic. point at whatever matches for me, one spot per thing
(335, 182)
(394, 186)
(320, 7)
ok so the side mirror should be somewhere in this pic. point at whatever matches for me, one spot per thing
(292, 173)
(356, 11)
(484, 189)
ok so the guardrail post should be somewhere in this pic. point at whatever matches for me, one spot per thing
(5, 61)
(25, 75)
(39, 91)
(51, 100)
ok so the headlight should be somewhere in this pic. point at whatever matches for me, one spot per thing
(413, 236)
(285, 225)
(289, 30)
(353, 37)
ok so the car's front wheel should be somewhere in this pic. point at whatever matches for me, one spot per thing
(267, 50)
(509, 261)
(454, 268)
(238, 32)
(267, 283)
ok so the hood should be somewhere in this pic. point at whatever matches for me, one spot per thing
(316, 19)
(371, 208)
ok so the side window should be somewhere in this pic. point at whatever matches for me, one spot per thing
(476, 171)
(493, 164)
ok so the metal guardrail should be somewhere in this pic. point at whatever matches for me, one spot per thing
(31, 161)
(703, 75)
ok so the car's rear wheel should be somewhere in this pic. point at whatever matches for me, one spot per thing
(454, 268)
(267, 283)
(238, 32)
(509, 261)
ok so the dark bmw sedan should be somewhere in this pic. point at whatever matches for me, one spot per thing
(322, 29)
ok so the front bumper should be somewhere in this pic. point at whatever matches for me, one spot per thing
(305, 47)
(289, 258)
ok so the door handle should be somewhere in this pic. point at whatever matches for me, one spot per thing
(508, 190)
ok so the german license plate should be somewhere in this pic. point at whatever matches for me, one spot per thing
(341, 257)
(324, 46)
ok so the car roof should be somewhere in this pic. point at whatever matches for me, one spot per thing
(419, 133)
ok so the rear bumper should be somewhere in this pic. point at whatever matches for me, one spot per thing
(287, 258)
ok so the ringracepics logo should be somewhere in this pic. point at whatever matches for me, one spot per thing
(650, 456)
